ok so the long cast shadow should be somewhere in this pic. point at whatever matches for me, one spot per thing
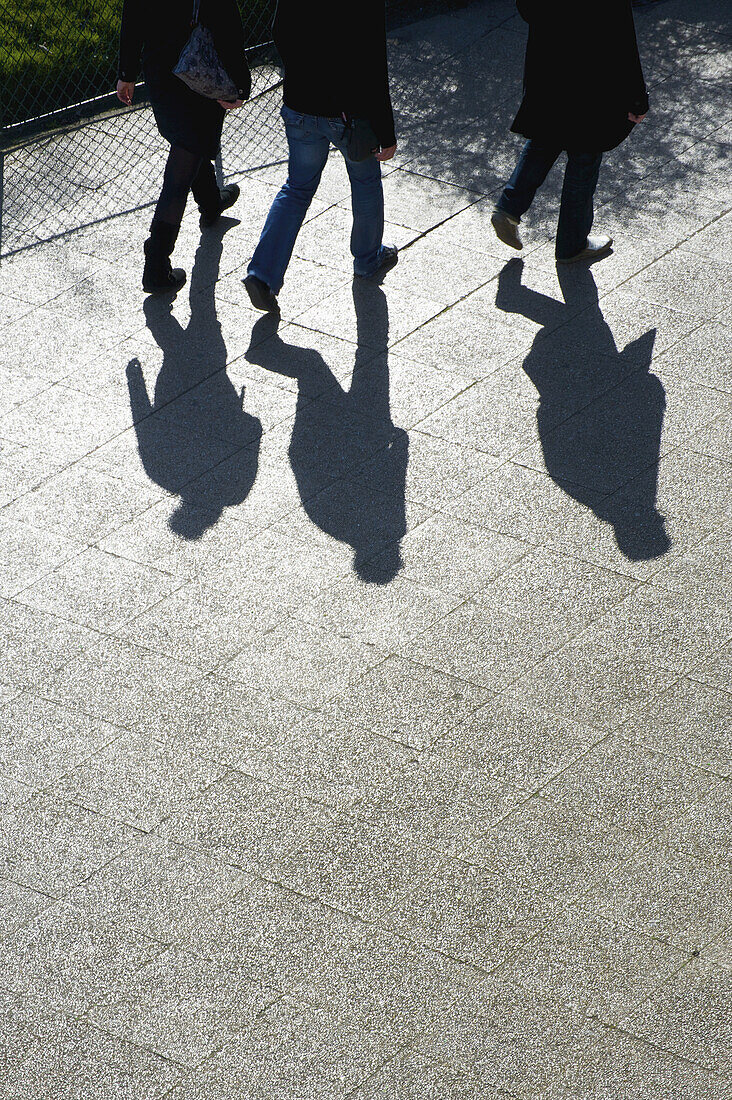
(337, 431)
(183, 433)
(601, 410)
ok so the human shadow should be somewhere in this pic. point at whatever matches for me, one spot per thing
(601, 410)
(195, 420)
(348, 458)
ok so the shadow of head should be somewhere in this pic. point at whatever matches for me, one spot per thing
(191, 523)
(641, 535)
(381, 569)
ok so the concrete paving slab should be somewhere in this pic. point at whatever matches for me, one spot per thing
(22, 468)
(98, 590)
(81, 503)
(689, 1012)
(615, 1064)
(293, 1048)
(29, 554)
(635, 788)
(656, 891)
(51, 845)
(597, 967)
(716, 671)
(177, 994)
(382, 982)
(350, 656)
(301, 662)
(81, 1060)
(40, 742)
(689, 721)
(553, 848)
(346, 767)
(414, 1074)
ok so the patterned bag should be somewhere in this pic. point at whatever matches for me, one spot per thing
(199, 65)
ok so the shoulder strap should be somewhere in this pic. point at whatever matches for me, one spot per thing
(196, 11)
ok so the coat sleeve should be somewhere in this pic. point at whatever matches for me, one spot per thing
(223, 19)
(637, 91)
(131, 38)
(381, 115)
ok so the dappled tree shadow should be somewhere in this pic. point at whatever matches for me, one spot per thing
(456, 92)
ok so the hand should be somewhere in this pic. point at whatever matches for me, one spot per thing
(635, 118)
(125, 91)
(230, 104)
(386, 154)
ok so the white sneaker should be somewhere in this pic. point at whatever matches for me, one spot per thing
(593, 250)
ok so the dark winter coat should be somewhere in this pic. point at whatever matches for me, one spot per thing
(156, 31)
(582, 74)
(334, 56)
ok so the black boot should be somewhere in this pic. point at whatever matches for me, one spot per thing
(227, 197)
(158, 276)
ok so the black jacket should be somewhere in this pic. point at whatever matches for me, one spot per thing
(157, 30)
(582, 73)
(335, 60)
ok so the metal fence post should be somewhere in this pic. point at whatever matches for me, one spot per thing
(219, 169)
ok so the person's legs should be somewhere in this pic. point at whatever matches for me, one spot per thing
(576, 212)
(367, 204)
(531, 170)
(180, 171)
(205, 187)
(211, 199)
(308, 153)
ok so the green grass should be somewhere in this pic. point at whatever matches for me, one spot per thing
(54, 53)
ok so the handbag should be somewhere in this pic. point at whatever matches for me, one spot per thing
(361, 141)
(199, 65)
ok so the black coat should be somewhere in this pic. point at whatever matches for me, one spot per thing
(335, 60)
(156, 31)
(582, 74)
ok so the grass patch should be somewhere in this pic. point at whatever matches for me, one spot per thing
(54, 53)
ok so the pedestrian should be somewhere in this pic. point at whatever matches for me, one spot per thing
(157, 30)
(583, 93)
(336, 87)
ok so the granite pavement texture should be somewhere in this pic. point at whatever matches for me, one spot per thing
(366, 680)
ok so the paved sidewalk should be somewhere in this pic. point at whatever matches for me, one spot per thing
(367, 681)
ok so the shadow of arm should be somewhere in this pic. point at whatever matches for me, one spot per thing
(140, 404)
(513, 297)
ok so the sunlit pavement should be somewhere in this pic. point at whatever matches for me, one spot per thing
(367, 678)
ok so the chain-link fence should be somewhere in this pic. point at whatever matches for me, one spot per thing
(70, 154)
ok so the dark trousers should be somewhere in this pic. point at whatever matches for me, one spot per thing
(576, 212)
(186, 172)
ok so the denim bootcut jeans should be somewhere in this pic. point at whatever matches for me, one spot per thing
(309, 138)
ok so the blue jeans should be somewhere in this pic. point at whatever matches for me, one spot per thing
(580, 180)
(309, 138)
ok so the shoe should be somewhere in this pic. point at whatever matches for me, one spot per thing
(388, 257)
(229, 195)
(506, 227)
(593, 250)
(260, 295)
(158, 277)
